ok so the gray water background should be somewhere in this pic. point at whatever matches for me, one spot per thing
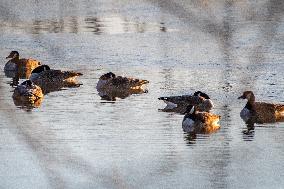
(77, 140)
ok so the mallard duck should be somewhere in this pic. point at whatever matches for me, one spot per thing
(179, 104)
(17, 64)
(260, 112)
(49, 78)
(199, 122)
(111, 82)
(27, 92)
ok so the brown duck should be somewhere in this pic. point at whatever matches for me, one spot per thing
(17, 64)
(111, 82)
(199, 122)
(261, 112)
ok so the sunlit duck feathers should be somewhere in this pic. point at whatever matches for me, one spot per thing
(199, 122)
(15, 63)
(200, 100)
(110, 81)
(261, 112)
(44, 75)
(27, 91)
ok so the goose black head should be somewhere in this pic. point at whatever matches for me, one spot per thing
(107, 76)
(199, 93)
(13, 54)
(41, 69)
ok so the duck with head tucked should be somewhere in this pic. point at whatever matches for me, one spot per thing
(27, 92)
(200, 100)
(260, 112)
(20, 64)
(52, 80)
(199, 122)
(111, 82)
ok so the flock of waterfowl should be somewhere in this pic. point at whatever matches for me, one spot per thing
(41, 79)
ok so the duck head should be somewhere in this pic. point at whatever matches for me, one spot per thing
(199, 93)
(247, 95)
(107, 76)
(41, 69)
(13, 54)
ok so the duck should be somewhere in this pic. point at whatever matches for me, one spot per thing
(27, 92)
(17, 64)
(49, 78)
(199, 122)
(260, 112)
(111, 82)
(178, 104)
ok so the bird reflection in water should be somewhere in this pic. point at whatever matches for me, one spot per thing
(248, 132)
(112, 95)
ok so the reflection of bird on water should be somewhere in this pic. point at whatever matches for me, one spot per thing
(178, 104)
(111, 86)
(111, 95)
(261, 112)
(27, 94)
(199, 122)
(52, 80)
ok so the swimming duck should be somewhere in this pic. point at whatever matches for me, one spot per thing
(17, 64)
(49, 78)
(260, 112)
(199, 122)
(111, 82)
(179, 104)
(27, 92)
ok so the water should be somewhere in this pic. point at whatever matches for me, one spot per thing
(77, 140)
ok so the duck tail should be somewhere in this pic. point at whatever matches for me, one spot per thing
(142, 82)
(162, 98)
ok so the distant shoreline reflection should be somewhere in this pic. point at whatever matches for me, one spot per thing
(89, 24)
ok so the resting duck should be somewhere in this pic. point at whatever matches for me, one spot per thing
(260, 112)
(15, 63)
(199, 122)
(46, 77)
(179, 104)
(27, 92)
(111, 82)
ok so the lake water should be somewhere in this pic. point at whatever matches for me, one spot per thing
(75, 139)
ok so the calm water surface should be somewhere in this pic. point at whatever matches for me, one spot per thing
(77, 140)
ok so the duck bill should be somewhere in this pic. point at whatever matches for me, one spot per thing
(241, 97)
(10, 56)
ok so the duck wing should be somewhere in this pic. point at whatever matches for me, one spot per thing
(127, 82)
(184, 99)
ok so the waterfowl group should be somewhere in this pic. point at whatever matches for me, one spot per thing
(41, 79)
(196, 107)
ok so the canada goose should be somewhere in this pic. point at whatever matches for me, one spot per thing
(261, 112)
(178, 104)
(199, 122)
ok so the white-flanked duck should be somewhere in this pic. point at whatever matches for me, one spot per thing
(200, 100)
(17, 64)
(52, 80)
(261, 112)
(111, 82)
(199, 122)
(27, 92)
